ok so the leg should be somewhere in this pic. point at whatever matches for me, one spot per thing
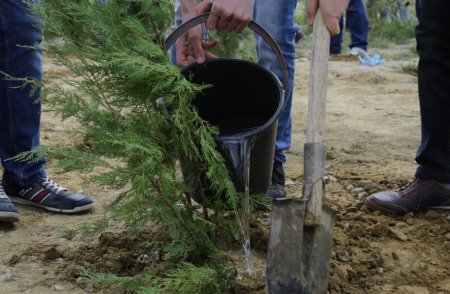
(358, 24)
(177, 23)
(431, 188)
(433, 45)
(277, 17)
(19, 113)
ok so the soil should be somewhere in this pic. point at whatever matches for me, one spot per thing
(373, 130)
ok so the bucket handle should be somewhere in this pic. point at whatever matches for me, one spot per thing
(170, 40)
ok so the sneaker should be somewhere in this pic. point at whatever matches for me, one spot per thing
(355, 51)
(298, 37)
(415, 196)
(48, 195)
(8, 212)
(276, 189)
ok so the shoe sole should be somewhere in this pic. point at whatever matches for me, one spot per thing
(9, 217)
(373, 206)
(75, 210)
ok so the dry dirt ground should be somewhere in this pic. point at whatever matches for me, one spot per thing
(373, 130)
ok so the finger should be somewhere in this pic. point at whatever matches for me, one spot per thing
(213, 18)
(203, 7)
(209, 45)
(195, 42)
(234, 24)
(313, 6)
(209, 55)
(332, 22)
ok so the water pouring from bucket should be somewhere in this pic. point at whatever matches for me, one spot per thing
(244, 101)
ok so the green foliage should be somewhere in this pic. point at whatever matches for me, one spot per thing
(185, 279)
(385, 25)
(115, 53)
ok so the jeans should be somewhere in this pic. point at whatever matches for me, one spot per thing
(433, 47)
(277, 17)
(357, 22)
(19, 113)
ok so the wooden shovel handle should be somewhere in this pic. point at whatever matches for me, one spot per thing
(317, 98)
(318, 75)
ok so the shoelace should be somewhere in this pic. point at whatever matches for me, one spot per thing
(2, 192)
(52, 186)
(403, 191)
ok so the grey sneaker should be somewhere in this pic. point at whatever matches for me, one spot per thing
(8, 212)
(276, 189)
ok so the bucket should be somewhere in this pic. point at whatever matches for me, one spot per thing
(244, 101)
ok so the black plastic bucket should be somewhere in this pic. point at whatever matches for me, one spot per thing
(244, 100)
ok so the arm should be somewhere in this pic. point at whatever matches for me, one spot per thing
(332, 11)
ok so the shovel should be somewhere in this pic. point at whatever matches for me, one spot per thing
(300, 241)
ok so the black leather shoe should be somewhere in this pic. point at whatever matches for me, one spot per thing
(415, 196)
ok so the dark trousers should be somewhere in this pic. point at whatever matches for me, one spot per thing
(433, 47)
(357, 22)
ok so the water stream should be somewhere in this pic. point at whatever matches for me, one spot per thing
(237, 151)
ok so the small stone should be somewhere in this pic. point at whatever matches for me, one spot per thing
(89, 288)
(401, 225)
(349, 187)
(356, 191)
(342, 256)
(380, 270)
(52, 253)
(410, 221)
(7, 277)
(362, 196)
(448, 218)
(447, 245)
(395, 256)
(398, 234)
(370, 186)
(447, 236)
(408, 215)
(432, 214)
(59, 287)
(289, 183)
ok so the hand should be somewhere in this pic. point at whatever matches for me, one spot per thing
(227, 15)
(332, 11)
(190, 48)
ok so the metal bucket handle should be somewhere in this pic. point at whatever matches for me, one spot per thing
(170, 40)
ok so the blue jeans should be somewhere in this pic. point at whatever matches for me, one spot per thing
(433, 46)
(357, 22)
(19, 113)
(277, 17)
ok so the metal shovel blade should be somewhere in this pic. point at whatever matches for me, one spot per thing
(298, 259)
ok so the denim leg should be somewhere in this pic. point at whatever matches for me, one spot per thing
(277, 17)
(358, 24)
(402, 10)
(433, 46)
(336, 41)
(19, 113)
(177, 22)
